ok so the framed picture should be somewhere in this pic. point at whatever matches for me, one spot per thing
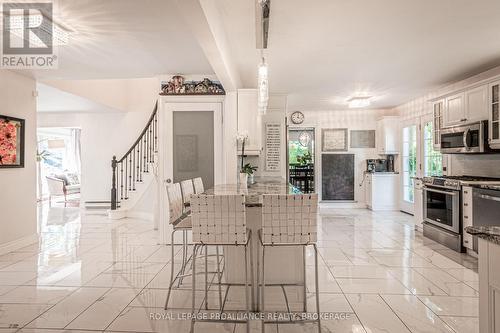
(363, 139)
(334, 139)
(11, 142)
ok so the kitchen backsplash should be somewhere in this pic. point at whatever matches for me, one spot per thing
(476, 165)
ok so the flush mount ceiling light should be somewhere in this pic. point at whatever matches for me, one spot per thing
(56, 33)
(359, 102)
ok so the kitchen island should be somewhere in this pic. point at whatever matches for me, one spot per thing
(489, 276)
(283, 264)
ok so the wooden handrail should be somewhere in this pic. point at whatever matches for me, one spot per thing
(135, 161)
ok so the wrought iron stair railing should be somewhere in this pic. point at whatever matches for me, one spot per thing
(129, 170)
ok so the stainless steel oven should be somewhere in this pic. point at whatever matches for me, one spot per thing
(470, 138)
(442, 208)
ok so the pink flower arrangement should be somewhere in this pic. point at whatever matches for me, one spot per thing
(8, 142)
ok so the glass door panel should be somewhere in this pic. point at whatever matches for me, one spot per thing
(409, 162)
(433, 160)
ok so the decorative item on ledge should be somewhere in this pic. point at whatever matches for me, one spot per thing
(177, 86)
(11, 142)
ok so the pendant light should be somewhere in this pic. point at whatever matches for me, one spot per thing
(263, 85)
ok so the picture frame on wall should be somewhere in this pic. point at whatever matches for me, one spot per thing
(12, 136)
(334, 139)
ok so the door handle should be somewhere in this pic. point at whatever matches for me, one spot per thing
(168, 181)
(489, 197)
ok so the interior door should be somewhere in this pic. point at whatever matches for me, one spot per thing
(190, 147)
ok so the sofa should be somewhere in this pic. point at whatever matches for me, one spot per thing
(63, 185)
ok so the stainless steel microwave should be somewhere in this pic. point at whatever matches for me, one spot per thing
(463, 139)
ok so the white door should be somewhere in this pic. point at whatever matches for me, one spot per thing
(190, 146)
(409, 166)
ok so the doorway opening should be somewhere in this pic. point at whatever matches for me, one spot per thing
(59, 165)
(301, 145)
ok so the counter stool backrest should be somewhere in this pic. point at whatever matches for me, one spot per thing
(175, 205)
(290, 218)
(187, 190)
(198, 185)
(218, 219)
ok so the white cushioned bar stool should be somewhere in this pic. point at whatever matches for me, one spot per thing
(198, 185)
(221, 220)
(180, 221)
(288, 220)
(187, 191)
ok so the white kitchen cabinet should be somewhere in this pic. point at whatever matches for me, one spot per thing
(466, 107)
(454, 111)
(467, 215)
(476, 104)
(382, 191)
(249, 121)
(419, 204)
(494, 117)
(489, 286)
(387, 140)
(437, 113)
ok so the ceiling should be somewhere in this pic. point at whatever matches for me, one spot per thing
(323, 52)
(124, 39)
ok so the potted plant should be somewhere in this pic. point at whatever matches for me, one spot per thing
(242, 138)
(248, 169)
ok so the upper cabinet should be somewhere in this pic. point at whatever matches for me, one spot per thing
(466, 107)
(454, 111)
(437, 112)
(249, 121)
(494, 128)
(387, 140)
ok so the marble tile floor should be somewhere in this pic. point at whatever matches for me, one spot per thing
(88, 273)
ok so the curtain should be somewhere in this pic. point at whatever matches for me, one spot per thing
(76, 149)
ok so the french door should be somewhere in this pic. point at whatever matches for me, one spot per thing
(409, 159)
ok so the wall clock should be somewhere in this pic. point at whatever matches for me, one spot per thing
(297, 117)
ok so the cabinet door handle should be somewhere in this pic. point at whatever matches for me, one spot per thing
(465, 204)
(466, 217)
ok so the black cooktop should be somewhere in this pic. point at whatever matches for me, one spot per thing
(471, 178)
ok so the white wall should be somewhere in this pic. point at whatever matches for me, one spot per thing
(103, 135)
(18, 220)
(352, 120)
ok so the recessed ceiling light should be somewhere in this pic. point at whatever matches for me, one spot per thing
(359, 102)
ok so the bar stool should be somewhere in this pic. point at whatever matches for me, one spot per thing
(180, 221)
(198, 185)
(187, 191)
(289, 220)
(220, 220)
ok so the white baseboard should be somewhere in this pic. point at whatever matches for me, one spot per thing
(18, 244)
(327, 205)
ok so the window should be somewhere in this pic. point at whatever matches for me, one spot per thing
(409, 161)
(433, 160)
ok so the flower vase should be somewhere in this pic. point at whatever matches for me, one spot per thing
(243, 179)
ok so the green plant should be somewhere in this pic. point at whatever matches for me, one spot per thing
(248, 169)
(305, 159)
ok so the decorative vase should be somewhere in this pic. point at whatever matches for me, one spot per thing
(243, 179)
(251, 179)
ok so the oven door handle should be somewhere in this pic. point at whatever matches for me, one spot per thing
(439, 191)
(489, 197)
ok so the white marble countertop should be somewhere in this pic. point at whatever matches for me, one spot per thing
(254, 192)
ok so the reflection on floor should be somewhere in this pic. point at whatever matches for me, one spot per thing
(91, 273)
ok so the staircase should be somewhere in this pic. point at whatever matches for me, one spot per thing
(134, 172)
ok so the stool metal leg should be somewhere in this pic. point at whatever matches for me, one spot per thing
(206, 277)
(305, 279)
(193, 299)
(184, 256)
(317, 285)
(219, 277)
(247, 298)
(252, 288)
(171, 268)
(262, 289)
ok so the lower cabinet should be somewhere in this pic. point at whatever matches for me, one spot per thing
(489, 287)
(467, 215)
(382, 191)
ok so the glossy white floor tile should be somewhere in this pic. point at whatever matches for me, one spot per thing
(89, 274)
